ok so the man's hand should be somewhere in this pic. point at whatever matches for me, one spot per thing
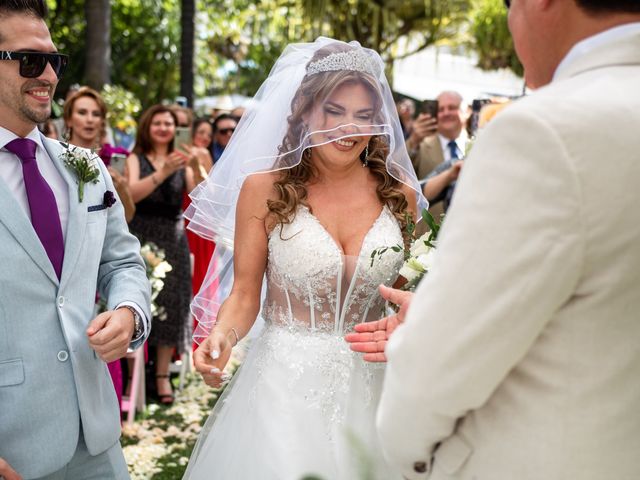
(212, 356)
(110, 334)
(423, 126)
(371, 337)
(6, 472)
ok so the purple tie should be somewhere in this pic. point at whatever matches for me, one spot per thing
(42, 202)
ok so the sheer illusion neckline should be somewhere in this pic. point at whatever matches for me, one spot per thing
(334, 242)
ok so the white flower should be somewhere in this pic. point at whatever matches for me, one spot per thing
(426, 259)
(412, 269)
(419, 247)
(161, 270)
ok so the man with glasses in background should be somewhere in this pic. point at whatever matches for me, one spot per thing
(59, 416)
(223, 127)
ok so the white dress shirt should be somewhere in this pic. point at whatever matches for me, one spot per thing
(11, 174)
(590, 43)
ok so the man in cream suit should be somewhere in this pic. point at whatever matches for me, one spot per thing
(519, 355)
(59, 417)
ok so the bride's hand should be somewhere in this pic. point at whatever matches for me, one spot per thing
(371, 338)
(212, 356)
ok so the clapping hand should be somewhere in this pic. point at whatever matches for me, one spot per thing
(212, 356)
(174, 162)
(371, 338)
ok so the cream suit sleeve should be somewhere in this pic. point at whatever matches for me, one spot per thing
(510, 254)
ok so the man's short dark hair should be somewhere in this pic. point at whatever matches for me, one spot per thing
(610, 6)
(37, 8)
(223, 116)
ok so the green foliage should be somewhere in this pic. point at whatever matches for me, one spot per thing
(123, 107)
(238, 41)
(145, 39)
(490, 36)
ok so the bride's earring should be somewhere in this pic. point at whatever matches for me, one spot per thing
(364, 156)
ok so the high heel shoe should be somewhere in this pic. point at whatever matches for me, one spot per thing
(164, 398)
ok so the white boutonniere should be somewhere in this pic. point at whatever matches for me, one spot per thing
(83, 163)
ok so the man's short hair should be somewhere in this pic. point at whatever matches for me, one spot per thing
(33, 7)
(223, 116)
(609, 6)
(36, 8)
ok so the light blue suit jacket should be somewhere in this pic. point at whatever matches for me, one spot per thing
(51, 381)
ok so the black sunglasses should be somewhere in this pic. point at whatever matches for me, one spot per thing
(32, 64)
(226, 131)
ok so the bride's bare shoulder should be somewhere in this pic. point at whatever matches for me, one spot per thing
(259, 187)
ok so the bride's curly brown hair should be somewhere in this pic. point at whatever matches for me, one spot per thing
(291, 186)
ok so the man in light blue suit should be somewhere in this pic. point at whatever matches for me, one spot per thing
(59, 417)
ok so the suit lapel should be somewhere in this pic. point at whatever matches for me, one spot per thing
(12, 216)
(77, 220)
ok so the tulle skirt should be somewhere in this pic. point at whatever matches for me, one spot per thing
(302, 404)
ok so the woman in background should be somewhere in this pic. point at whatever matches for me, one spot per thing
(159, 176)
(201, 248)
(85, 116)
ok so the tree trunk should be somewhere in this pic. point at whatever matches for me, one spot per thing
(187, 21)
(98, 48)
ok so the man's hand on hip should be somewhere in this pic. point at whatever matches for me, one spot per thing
(110, 333)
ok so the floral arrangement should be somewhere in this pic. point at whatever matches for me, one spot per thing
(418, 256)
(157, 269)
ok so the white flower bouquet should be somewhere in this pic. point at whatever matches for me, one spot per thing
(157, 269)
(418, 257)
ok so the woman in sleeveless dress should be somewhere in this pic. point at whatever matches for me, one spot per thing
(315, 180)
(159, 176)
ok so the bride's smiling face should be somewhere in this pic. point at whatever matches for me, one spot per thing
(343, 118)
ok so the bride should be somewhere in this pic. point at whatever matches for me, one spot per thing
(314, 180)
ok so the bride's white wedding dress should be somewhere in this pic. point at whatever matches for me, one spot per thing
(302, 403)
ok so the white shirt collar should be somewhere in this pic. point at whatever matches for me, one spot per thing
(6, 136)
(590, 43)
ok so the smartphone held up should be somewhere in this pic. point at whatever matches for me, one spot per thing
(117, 162)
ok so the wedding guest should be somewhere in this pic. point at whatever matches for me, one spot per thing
(237, 112)
(159, 175)
(50, 130)
(316, 180)
(201, 248)
(223, 127)
(436, 141)
(406, 112)
(62, 238)
(184, 115)
(518, 357)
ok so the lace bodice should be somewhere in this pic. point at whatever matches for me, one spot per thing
(310, 283)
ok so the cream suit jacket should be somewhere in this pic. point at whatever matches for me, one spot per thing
(520, 358)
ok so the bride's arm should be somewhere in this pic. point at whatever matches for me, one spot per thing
(239, 311)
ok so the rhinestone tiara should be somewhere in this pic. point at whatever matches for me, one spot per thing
(356, 60)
